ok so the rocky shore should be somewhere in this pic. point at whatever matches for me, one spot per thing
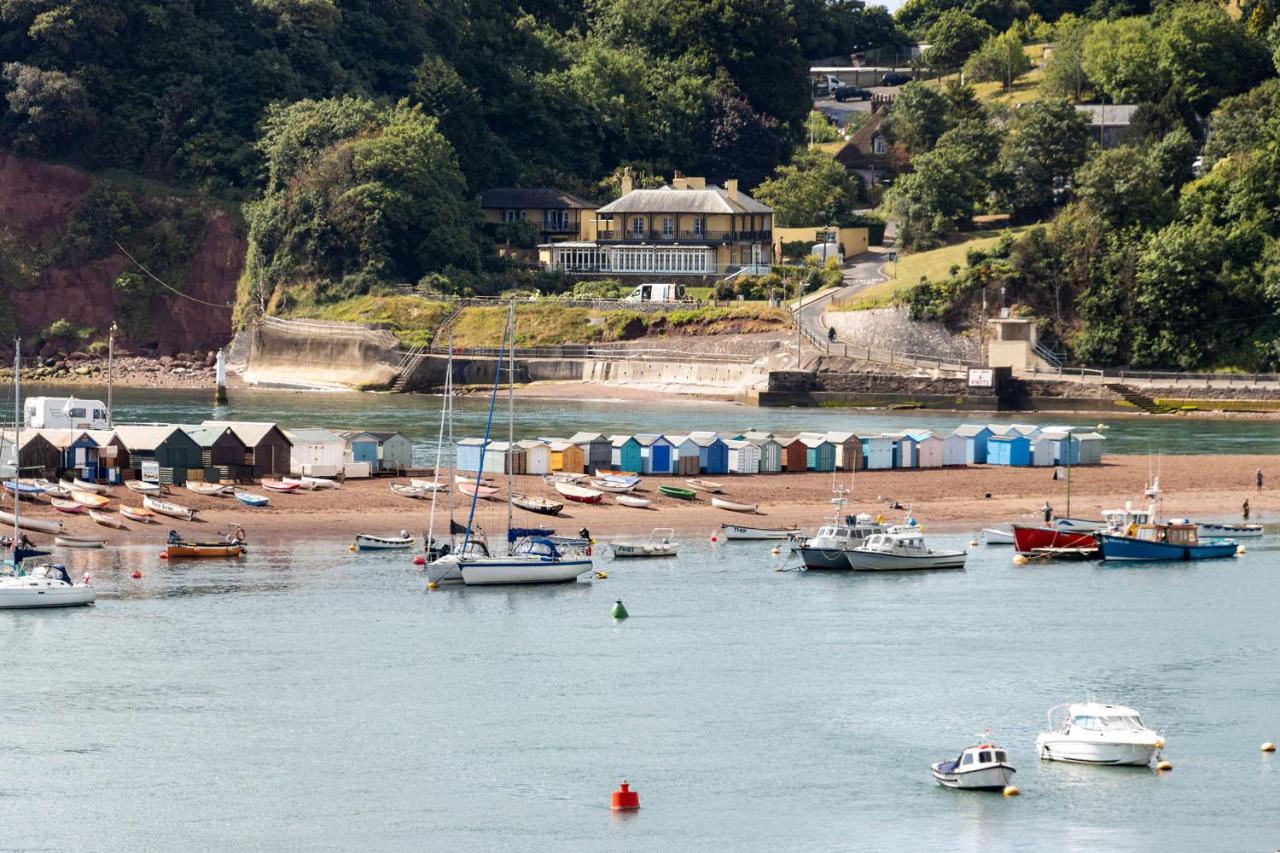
(184, 370)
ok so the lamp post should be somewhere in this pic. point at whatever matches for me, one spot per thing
(111, 352)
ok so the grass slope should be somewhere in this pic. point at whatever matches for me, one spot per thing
(410, 318)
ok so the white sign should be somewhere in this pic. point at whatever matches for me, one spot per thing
(150, 471)
(981, 377)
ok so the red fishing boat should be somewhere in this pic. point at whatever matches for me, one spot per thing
(1030, 540)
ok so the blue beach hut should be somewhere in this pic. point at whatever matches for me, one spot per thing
(967, 445)
(713, 453)
(1012, 449)
(657, 453)
(626, 454)
(904, 451)
(820, 454)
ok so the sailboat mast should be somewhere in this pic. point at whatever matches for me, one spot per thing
(17, 439)
(511, 408)
(448, 401)
(431, 516)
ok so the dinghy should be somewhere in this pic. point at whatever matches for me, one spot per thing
(710, 486)
(139, 514)
(170, 509)
(563, 477)
(205, 550)
(142, 488)
(660, 544)
(78, 485)
(581, 494)
(69, 507)
(23, 489)
(211, 490)
(614, 486)
(737, 531)
(35, 525)
(52, 489)
(678, 493)
(300, 482)
(106, 519)
(250, 499)
(471, 490)
(540, 505)
(733, 506)
(428, 486)
(369, 542)
(408, 491)
(463, 479)
(632, 501)
(319, 482)
(996, 536)
(1235, 531)
(279, 486)
(91, 500)
(67, 541)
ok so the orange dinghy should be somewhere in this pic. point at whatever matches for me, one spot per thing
(202, 549)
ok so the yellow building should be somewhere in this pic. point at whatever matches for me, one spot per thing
(849, 241)
(687, 228)
(556, 215)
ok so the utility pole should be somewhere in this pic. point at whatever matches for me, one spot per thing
(111, 351)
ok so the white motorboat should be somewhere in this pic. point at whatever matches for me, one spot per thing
(78, 541)
(78, 485)
(44, 586)
(1232, 531)
(35, 525)
(996, 536)
(142, 487)
(170, 509)
(632, 501)
(1095, 733)
(738, 531)
(369, 542)
(733, 506)
(978, 768)
(660, 544)
(901, 548)
(827, 549)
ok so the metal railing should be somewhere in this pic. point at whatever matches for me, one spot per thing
(657, 235)
(607, 352)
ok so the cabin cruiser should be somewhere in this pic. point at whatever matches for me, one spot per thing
(1075, 536)
(1094, 733)
(978, 768)
(44, 586)
(901, 547)
(1177, 540)
(829, 547)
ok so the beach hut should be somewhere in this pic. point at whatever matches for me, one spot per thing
(1044, 448)
(744, 457)
(848, 450)
(537, 456)
(904, 450)
(877, 451)
(76, 451)
(221, 449)
(770, 453)
(395, 451)
(597, 450)
(657, 453)
(270, 451)
(626, 455)
(795, 455)
(713, 453)
(565, 455)
(468, 455)
(967, 445)
(36, 456)
(1088, 448)
(361, 447)
(929, 449)
(168, 446)
(504, 458)
(688, 459)
(820, 454)
(315, 452)
(1012, 449)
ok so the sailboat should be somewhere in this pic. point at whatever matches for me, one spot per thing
(41, 585)
(532, 557)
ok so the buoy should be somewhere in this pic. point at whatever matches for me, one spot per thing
(419, 560)
(1164, 765)
(619, 611)
(432, 585)
(1268, 747)
(351, 547)
(973, 543)
(136, 574)
(1019, 560)
(1159, 743)
(715, 537)
(602, 576)
(776, 551)
(164, 555)
(1011, 791)
(1240, 550)
(624, 799)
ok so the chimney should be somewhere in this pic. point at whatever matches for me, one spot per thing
(731, 187)
(626, 180)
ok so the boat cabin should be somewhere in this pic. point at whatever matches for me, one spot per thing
(976, 757)
(898, 540)
(536, 547)
(1171, 534)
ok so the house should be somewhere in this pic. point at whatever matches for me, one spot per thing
(597, 450)
(966, 446)
(77, 450)
(845, 242)
(168, 446)
(270, 451)
(795, 455)
(1011, 449)
(877, 450)
(554, 214)
(316, 452)
(37, 457)
(868, 151)
(770, 451)
(929, 449)
(625, 454)
(1109, 124)
(744, 457)
(658, 453)
(565, 456)
(820, 453)
(537, 456)
(688, 457)
(713, 453)
(688, 228)
(467, 458)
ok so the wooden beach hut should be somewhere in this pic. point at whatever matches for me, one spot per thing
(929, 449)
(467, 454)
(37, 457)
(795, 455)
(770, 452)
(315, 452)
(504, 458)
(168, 446)
(625, 454)
(597, 450)
(848, 450)
(688, 460)
(565, 456)
(77, 451)
(1012, 449)
(361, 447)
(713, 453)
(270, 451)
(877, 451)
(537, 456)
(1088, 448)
(744, 457)
(222, 450)
(657, 453)
(395, 451)
(820, 454)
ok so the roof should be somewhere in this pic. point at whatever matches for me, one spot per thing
(971, 430)
(1013, 436)
(313, 436)
(840, 437)
(384, 437)
(1090, 436)
(620, 440)
(586, 437)
(530, 443)
(28, 436)
(705, 439)
(205, 436)
(471, 442)
(61, 438)
(712, 199)
(649, 439)
(814, 440)
(353, 434)
(761, 440)
(538, 197)
(250, 432)
(1108, 115)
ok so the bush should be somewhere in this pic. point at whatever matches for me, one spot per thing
(605, 288)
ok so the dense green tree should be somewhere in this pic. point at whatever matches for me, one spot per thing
(945, 186)
(52, 108)
(919, 116)
(836, 27)
(813, 189)
(1064, 75)
(1122, 58)
(740, 143)
(1122, 188)
(1001, 58)
(1046, 142)
(1251, 120)
(953, 37)
(1194, 43)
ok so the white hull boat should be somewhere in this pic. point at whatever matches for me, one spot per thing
(710, 486)
(319, 483)
(142, 488)
(78, 541)
(739, 532)
(996, 536)
(614, 487)
(660, 544)
(44, 586)
(632, 501)
(979, 768)
(52, 489)
(534, 561)
(1095, 733)
(733, 506)
(138, 514)
(429, 485)
(1232, 531)
(211, 490)
(106, 519)
(581, 494)
(78, 485)
(901, 548)
(368, 542)
(170, 509)
(35, 525)
(300, 482)
(409, 491)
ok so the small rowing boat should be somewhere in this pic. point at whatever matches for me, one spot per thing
(540, 505)
(299, 482)
(170, 509)
(463, 480)
(69, 507)
(368, 542)
(678, 493)
(91, 500)
(142, 488)
(23, 488)
(280, 486)
(35, 525)
(78, 485)
(660, 544)
(471, 490)
(996, 536)
(1235, 531)
(106, 519)
(609, 472)
(138, 513)
(710, 486)
(408, 491)
(67, 541)
(250, 499)
(206, 550)
(581, 494)
(563, 477)
(52, 489)
(429, 486)
(632, 501)
(211, 490)
(738, 531)
(614, 486)
(733, 506)
(319, 482)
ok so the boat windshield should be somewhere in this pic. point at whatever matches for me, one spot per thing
(1089, 724)
(536, 548)
(1124, 723)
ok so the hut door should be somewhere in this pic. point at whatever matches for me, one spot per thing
(660, 458)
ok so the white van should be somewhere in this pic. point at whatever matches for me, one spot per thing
(65, 413)
(657, 292)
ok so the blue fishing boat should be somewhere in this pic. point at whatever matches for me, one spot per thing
(1162, 542)
(250, 499)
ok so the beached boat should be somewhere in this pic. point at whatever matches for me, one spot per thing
(44, 586)
(660, 544)
(250, 499)
(740, 532)
(142, 487)
(68, 541)
(563, 477)
(1094, 733)
(301, 483)
(78, 485)
(471, 490)
(463, 479)
(1235, 531)
(710, 486)
(428, 486)
(632, 501)
(106, 519)
(614, 486)
(166, 508)
(279, 486)
(202, 550)
(320, 483)
(978, 768)
(581, 494)
(211, 490)
(733, 506)
(1164, 542)
(52, 489)
(540, 505)
(23, 489)
(90, 499)
(370, 542)
(409, 491)
(69, 507)
(610, 472)
(996, 536)
(678, 493)
(138, 513)
(902, 548)
(35, 525)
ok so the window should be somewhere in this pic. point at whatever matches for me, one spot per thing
(968, 758)
(1089, 724)
(637, 228)
(1002, 756)
(512, 215)
(984, 757)
(668, 227)
(878, 145)
(699, 227)
(76, 413)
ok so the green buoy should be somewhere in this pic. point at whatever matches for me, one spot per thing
(619, 612)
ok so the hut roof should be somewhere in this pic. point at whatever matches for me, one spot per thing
(587, 437)
(761, 440)
(358, 435)
(471, 442)
(207, 436)
(313, 436)
(621, 440)
(705, 439)
(971, 430)
(383, 437)
(840, 436)
(649, 439)
(558, 444)
(811, 440)
(142, 437)
(62, 438)
(1090, 436)
(28, 436)
(250, 432)
(530, 443)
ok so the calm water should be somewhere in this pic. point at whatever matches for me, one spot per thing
(310, 699)
(418, 417)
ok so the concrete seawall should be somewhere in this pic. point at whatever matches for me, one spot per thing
(320, 355)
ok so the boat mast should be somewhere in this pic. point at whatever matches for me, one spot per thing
(1070, 441)
(431, 516)
(17, 440)
(511, 411)
(448, 397)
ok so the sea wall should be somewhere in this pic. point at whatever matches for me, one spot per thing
(337, 355)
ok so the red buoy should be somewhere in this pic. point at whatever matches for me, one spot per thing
(164, 555)
(136, 574)
(624, 799)
(419, 560)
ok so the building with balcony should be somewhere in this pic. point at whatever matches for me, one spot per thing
(555, 214)
(688, 228)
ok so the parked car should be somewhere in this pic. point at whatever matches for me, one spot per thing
(895, 78)
(851, 93)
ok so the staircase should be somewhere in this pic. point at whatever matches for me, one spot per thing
(1048, 356)
(408, 364)
(1137, 398)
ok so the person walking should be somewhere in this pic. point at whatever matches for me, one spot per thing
(1048, 512)
(1257, 475)
(1244, 510)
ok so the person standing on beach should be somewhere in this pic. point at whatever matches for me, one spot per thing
(1048, 512)
(1257, 475)
(1244, 510)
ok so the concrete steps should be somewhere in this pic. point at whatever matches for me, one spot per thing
(1138, 399)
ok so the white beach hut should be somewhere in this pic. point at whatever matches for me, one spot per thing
(929, 449)
(1044, 448)
(878, 452)
(537, 456)
(744, 457)
(316, 451)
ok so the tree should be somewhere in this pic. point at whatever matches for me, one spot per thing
(918, 117)
(1195, 42)
(1064, 75)
(1000, 58)
(1046, 142)
(831, 27)
(52, 106)
(945, 185)
(813, 189)
(955, 35)
(1121, 186)
(740, 143)
(1123, 59)
(1251, 120)
(818, 128)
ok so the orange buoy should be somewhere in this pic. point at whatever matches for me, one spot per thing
(164, 555)
(624, 799)
(419, 560)
(136, 574)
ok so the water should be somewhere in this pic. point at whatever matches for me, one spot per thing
(305, 698)
(418, 417)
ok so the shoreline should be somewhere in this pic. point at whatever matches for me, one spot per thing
(1207, 488)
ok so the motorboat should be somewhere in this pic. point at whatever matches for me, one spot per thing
(540, 505)
(138, 513)
(369, 542)
(106, 519)
(1094, 733)
(616, 487)
(827, 549)
(35, 525)
(996, 536)
(738, 531)
(733, 506)
(68, 507)
(167, 508)
(142, 487)
(580, 494)
(250, 499)
(211, 490)
(984, 767)
(66, 541)
(473, 490)
(203, 550)
(44, 586)
(279, 486)
(902, 547)
(1177, 540)
(1235, 531)
(678, 493)
(90, 499)
(661, 544)
(78, 485)
(1052, 541)
(632, 501)
(709, 486)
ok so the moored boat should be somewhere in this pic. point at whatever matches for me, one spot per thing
(977, 768)
(138, 513)
(678, 493)
(902, 548)
(167, 508)
(733, 506)
(996, 536)
(69, 507)
(1096, 733)
(203, 550)
(632, 501)
(740, 532)
(44, 586)
(106, 519)
(540, 505)
(1163, 542)
(370, 542)
(1235, 531)
(661, 544)
(250, 499)
(533, 561)
(580, 494)
(1029, 539)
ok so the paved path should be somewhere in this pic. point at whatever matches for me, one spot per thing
(860, 274)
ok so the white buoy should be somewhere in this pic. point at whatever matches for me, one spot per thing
(1268, 747)
(1019, 559)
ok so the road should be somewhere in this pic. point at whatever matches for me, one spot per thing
(862, 272)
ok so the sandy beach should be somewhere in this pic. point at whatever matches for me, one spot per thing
(960, 499)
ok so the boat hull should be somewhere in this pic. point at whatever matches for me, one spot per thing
(877, 561)
(513, 571)
(633, 502)
(1028, 540)
(737, 531)
(678, 493)
(625, 551)
(29, 598)
(78, 542)
(1057, 748)
(1235, 531)
(193, 551)
(1125, 548)
(383, 543)
(35, 525)
(822, 559)
(171, 510)
(994, 536)
(995, 778)
(732, 506)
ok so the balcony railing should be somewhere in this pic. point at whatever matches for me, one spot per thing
(559, 228)
(659, 236)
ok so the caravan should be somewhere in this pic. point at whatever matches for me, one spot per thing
(65, 413)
